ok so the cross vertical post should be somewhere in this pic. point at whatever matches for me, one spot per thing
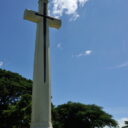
(41, 90)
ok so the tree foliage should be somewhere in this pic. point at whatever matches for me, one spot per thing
(15, 107)
(15, 100)
(77, 115)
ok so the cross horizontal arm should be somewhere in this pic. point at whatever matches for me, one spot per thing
(48, 17)
(36, 17)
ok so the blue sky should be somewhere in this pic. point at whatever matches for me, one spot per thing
(89, 56)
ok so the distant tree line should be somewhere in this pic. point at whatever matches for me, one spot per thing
(15, 107)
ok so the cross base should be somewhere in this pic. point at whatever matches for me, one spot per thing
(41, 125)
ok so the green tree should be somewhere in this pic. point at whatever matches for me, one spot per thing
(15, 100)
(15, 107)
(126, 124)
(77, 115)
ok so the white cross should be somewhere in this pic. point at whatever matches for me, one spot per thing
(37, 17)
(41, 94)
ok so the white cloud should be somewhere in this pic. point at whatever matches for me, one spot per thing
(1, 63)
(121, 121)
(69, 7)
(85, 53)
(59, 45)
(74, 17)
(123, 65)
(88, 52)
(117, 112)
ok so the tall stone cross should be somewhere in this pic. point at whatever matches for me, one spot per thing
(41, 93)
